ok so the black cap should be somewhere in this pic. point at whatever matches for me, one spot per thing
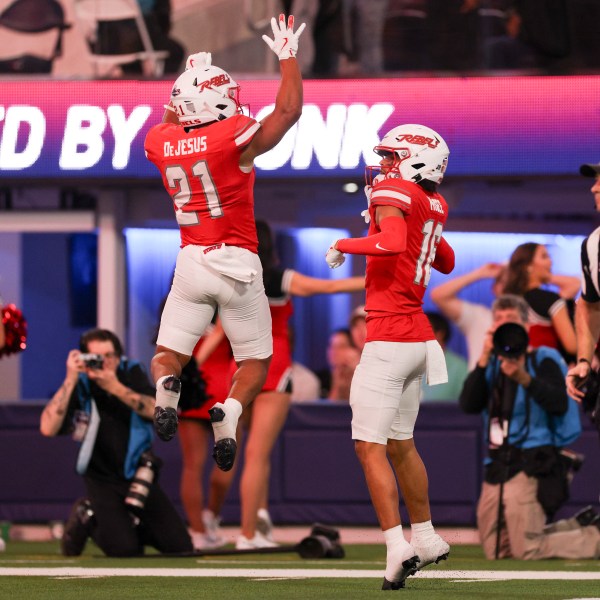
(590, 170)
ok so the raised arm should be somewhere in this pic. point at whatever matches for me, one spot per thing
(288, 104)
(445, 296)
(55, 411)
(303, 285)
(568, 285)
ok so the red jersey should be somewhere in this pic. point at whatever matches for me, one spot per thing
(395, 284)
(212, 197)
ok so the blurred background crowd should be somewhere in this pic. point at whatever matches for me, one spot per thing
(345, 38)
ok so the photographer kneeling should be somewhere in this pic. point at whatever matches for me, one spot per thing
(528, 418)
(106, 403)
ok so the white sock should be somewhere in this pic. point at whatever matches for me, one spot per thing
(396, 549)
(422, 533)
(233, 408)
(226, 428)
(394, 536)
(166, 398)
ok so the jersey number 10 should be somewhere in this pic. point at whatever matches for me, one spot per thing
(430, 230)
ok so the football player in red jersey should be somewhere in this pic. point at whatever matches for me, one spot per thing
(404, 242)
(205, 150)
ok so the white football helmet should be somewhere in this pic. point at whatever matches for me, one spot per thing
(205, 94)
(419, 153)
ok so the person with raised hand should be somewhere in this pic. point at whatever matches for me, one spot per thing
(205, 150)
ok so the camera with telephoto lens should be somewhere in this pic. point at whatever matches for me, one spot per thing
(510, 340)
(145, 475)
(92, 361)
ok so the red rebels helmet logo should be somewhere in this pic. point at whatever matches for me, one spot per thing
(212, 82)
(418, 140)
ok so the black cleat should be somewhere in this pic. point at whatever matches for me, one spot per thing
(225, 449)
(224, 453)
(77, 528)
(165, 423)
(392, 585)
(409, 567)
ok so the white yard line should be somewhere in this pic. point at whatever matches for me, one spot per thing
(84, 572)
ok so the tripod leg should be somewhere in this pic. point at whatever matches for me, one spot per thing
(499, 521)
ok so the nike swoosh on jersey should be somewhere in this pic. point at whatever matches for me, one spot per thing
(381, 247)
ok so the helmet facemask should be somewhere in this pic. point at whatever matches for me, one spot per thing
(419, 153)
(204, 95)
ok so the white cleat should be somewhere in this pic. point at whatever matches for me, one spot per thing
(437, 550)
(405, 565)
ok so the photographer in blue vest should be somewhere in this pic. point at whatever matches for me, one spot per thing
(528, 421)
(106, 403)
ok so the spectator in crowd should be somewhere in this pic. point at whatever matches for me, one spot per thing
(370, 22)
(218, 264)
(406, 216)
(452, 38)
(342, 358)
(406, 36)
(122, 36)
(529, 269)
(455, 364)
(528, 419)
(106, 402)
(507, 50)
(329, 38)
(270, 407)
(472, 319)
(587, 313)
(306, 386)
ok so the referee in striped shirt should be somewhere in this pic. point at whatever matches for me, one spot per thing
(587, 314)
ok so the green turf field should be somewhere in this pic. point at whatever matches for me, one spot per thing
(36, 570)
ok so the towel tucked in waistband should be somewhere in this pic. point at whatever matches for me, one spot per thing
(436, 363)
(229, 261)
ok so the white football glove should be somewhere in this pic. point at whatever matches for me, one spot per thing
(200, 60)
(334, 257)
(365, 213)
(285, 41)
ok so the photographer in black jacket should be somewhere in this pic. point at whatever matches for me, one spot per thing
(528, 418)
(106, 403)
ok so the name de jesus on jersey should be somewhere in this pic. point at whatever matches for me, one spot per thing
(212, 197)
